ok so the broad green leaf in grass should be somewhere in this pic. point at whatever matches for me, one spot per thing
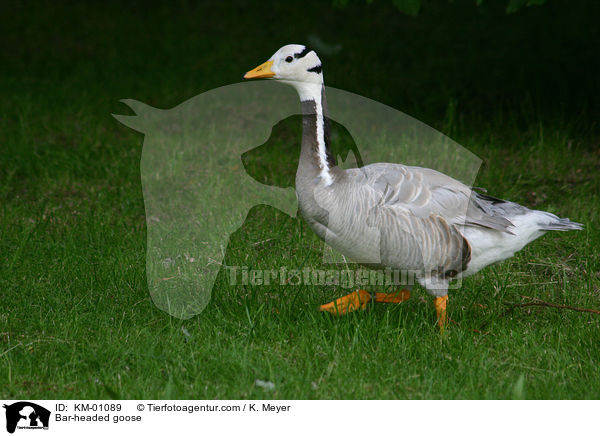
(410, 7)
(514, 5)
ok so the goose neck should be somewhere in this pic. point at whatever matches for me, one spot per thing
(316, 159)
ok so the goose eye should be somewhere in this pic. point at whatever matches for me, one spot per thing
(289, 59)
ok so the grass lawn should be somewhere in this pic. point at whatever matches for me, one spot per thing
(76, 318)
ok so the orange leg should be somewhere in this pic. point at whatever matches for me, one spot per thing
(398, 297)
(359, 300)
(440, 308)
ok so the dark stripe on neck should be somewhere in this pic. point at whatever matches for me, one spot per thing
(302, 53)
(327, 130)
(309, 126)
(316, 69)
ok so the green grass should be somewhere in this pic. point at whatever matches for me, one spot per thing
(76, 319)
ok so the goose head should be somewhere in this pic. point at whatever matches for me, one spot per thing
(295, 65)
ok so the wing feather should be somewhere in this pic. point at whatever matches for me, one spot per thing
(425, 192)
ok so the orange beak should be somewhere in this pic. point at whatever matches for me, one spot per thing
(263, 71)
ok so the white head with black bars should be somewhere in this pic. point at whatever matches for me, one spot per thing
(301, 68)
(295, 65)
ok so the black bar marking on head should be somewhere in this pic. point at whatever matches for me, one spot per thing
(303, 53)
(316, 69)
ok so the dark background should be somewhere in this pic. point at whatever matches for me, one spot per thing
(540, 62)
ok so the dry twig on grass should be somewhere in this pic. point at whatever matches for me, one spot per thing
(537, 302)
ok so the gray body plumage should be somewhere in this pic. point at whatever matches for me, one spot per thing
(411, 218)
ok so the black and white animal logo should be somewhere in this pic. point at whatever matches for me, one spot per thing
(26, 415)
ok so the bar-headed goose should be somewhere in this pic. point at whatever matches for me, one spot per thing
(427, 222)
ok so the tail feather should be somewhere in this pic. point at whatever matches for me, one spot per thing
(552, 222)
